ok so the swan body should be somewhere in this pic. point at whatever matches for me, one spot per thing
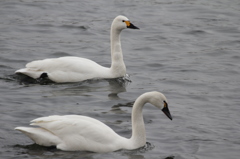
(82, 133)
(75, 69)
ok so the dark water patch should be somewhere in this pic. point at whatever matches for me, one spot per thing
(36, 147)
(26, 80)
(8, 78)
(196, 32)
(40, 30)
(75, 27)
(60, 54)
(128, 104)
(46, 152)
(229, 44)
(5, 67)
(188, 70)
(155, 65)
(145, 48)
(156, 38)
(232, 30)
(44, 25)
(236, 57)
(9, 59)
(218, 52)
(147, 147)
(72, 25)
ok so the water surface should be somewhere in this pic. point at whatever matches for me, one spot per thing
(189, 50)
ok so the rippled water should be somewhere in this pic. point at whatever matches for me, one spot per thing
(189, 50)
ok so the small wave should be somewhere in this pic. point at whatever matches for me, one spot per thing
(196, 32)
(148, 146)
(75, 27)
(35, 147)
(128, 104)
(59, 54)
(121, 81)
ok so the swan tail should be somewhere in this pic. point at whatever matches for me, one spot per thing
(40, 136)
(31, 73)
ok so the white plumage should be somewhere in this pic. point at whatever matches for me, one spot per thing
(81, 133)
(75, 69)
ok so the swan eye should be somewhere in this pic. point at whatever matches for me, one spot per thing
(123, 20)
(165, 104)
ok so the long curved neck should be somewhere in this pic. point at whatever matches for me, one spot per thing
(138, 138)
(115, 40)
(118, 67)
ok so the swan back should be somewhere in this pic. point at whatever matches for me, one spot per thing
(74, 133)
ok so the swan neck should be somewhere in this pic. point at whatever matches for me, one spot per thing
(138, 128)
(115, 40)
(118, 67)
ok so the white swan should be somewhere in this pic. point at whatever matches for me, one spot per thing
(81, 133)
(75, 69)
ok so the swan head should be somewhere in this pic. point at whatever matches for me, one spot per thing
(160, 101)
(122, 22)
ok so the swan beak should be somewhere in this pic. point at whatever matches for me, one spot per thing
(130, 25)
(166, 111)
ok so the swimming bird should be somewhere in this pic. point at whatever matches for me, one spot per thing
(82, 133)
(76, 69)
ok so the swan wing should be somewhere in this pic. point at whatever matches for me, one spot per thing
(80, 133)
(64, 69)
(40, 136)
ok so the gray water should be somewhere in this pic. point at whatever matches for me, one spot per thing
(188, 50)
